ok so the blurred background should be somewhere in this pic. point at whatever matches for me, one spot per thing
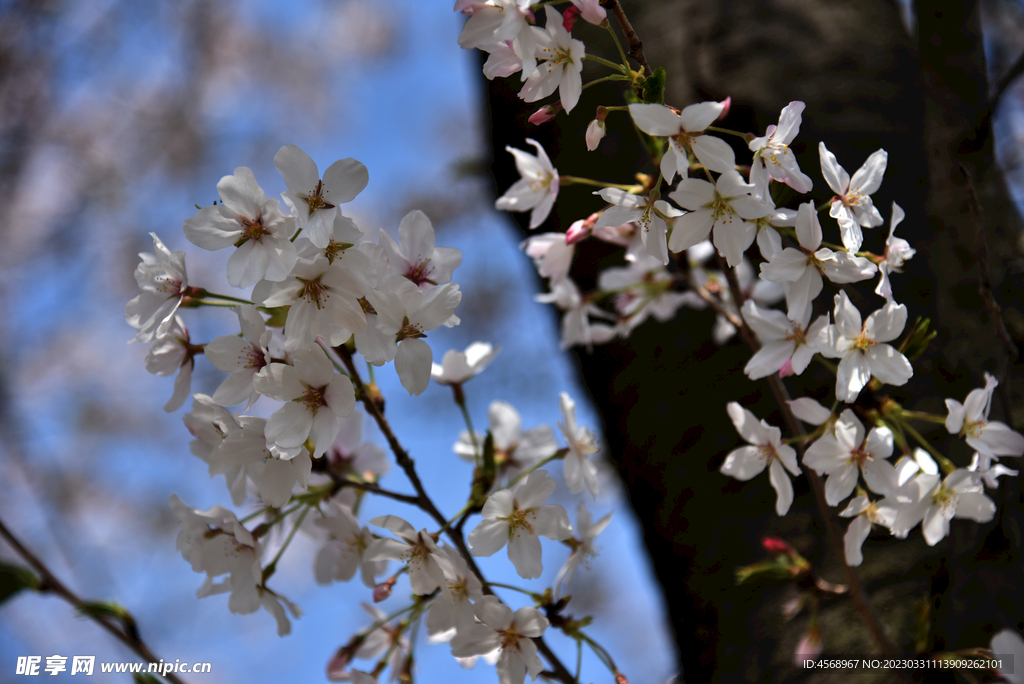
(116, 118)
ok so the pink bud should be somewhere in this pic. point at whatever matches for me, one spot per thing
(776, 545)
(620, 678)
(382, 591)
(545, 114)
(595, 132)
(727, 102)
(578, 232)
(569, 17)
(337, 666)
(787, 368)
(810, 646)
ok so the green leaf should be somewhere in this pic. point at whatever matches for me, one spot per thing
(15, 578)
(653, 88)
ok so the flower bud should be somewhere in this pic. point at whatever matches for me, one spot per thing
(777, 546)
(810, 646)
(382, 591)
(620, 678)
(595, 132)
(545, 114)
(569, 17)
(727, 104)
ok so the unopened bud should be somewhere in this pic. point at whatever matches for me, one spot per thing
(727, 104)
(595, 132)
(776, 546)
(620, 678)
(569, 17)
(382, 591)
(545, 114)
(810, 646)
(580, 230)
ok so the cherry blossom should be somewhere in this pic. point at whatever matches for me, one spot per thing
(959, 495)
(315, 201)
(651, 218)
(429, 567)
(720, 207)
(897, 252)
(583, 548)
(970, 420)
(519, 517)
(852, 206)
(162, 278)
(246, 219)
(446, 617)
(515, 450)
(496, 21)
(686, 131)
(785, 344)
(242, 357)
(595, 133)
(862, 348)
(561, 61)
(512, 633)
(552, 254)
(458, 367)
(576, 325)
(865, 513)
(536, 190)
(345, 548)
(579, 469)
(173, 351)
(345, 234)
(845, 451)
(772, 156)
(766, 450)
(416, 257)
(316, 399)
(272, 469)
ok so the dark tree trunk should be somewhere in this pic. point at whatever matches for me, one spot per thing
(662, 393)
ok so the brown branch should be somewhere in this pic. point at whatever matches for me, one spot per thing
(778, 389)
(985, 290)
(51, 584)
(636, 46)
(424, 502)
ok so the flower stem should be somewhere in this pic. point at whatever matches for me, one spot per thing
(553, 457)
(576, 180)
(227, 297)
(618, 45)
(927, 417)
(613, 77)
(727, 131)
(607, 63)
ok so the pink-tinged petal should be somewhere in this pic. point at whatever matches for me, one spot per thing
(714, 153)
(697, 117)
(499, 505)
(655, 119)
(525, 553)
(858, 531)
(886, 324)
(340, 397)
(787, 456)
(297, 168)
(746, 423)
(248, 264)
(529, 622)
(808, 228)
(744, 463)
(783, 487)
(835, 175)
(182, 384)
(235, 389)
(541, 212)
(324, 429)
(769, 324)
(690, 229)
(228, 352)
(769, 359)
(888, 365)
(290, 425)
(869, 176)
(489, 537)
(879, 443)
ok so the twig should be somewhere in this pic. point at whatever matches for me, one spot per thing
(985, 290)
(424, 502)
(636, 46)
(778, 389)
(50, 583)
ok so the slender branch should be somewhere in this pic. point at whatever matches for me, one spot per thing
(636, 46)
(781, 398)
(424, 502)
(985, 290)
(54, 585)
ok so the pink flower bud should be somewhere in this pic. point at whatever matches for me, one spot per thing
(787, 369)
(620, 678)
(810, 646)
(578, 232)
(382, 591)
(776, 546)
(569, 17)
(545, 114)
(595, 132)
(727, 103)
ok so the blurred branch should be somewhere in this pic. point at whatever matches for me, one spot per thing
(636, 46)
(128, 634)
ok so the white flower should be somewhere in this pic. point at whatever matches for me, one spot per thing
(865, 513)
(852, 206)
(685, 131)
(164, 282)
(503, 60)
(970, 420)
(429, 568)
(514, 449)
(576, 325)
(989, 472)
(458, 367)
(785, 343)
(595, 133)
(316, 399)
(579, 469)
(583, 548)
(456, 614)
(591, 10)
(273, 470)
(863, 350)
(842, 453)
(416, 257)
(766, 450)
(551, 253)
(721, 207)
(246, 219)
(512, 633)
(650, 218)
(959, 495)
(519, 518)
(345, 550)
(561, 62)
(643, 288)
(316, 201)
(897, 251)
(536, 190)
(1008, 643)
(804, 267)
(324, 299)
(243, 357)
(345, 234)
(173, 351)
(772, 156)
(496, 21)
